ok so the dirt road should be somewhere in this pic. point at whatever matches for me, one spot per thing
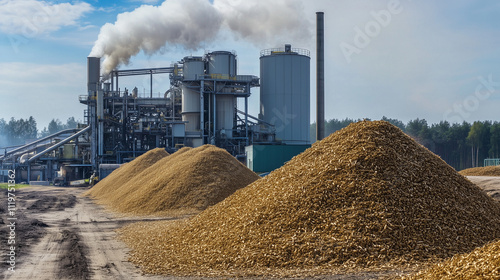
(491, 185)
(61, 235)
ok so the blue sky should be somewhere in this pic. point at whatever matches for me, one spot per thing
(438, 60)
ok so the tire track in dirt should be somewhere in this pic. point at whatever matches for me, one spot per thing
(78, 240)
(73, 264)
(490, 184)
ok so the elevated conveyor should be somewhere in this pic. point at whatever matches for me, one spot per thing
(30, 147)
(53, 147)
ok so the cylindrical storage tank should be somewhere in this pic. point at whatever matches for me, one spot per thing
(225, 105)
(191, 108)
(222, 62)
(285, 93)
(193, 120)
(193, 67)
(190, 100)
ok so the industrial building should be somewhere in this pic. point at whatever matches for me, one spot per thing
(200, 107)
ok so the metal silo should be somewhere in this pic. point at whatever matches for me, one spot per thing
(285, 93)
(226, 114)
(193, 68)
(222, 62)
(222, 66)
(191, 108)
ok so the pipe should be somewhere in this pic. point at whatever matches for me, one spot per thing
(53, 147)
(72, 130)
(246, 121)
(202, 112)
(254, 118)
(320, 76)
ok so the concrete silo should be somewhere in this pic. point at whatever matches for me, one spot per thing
(285, 93)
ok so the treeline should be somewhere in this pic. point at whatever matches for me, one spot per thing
(462, 145)
(55, 125)
(17, 132)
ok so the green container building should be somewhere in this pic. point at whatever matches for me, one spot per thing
(266, 158)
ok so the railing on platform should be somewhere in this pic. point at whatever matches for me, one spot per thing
(492, 162)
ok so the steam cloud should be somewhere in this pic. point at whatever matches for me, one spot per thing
(189, 23)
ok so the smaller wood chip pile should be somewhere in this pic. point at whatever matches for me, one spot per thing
(189, 180)
(365, 196)
(481, 264)
(126, 172)
(482, 171)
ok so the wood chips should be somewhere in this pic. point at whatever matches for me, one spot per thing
(481, 264)
(482, 171)
(187, 181)
(126, 172)
(367, 196)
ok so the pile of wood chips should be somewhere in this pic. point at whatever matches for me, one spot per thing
(482, 263)
(367, 196)
(482, 171)
(126, 172)
(187, 181)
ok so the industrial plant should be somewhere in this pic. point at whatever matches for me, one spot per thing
(200, 107)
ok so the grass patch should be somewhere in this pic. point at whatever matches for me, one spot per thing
(17, 186)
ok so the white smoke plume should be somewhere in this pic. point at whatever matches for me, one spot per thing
(264, 21)
(189, 23)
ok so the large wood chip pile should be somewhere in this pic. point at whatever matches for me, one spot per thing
(365, 196)
(482, 171)
(127, 171)
(189, 180)
(481, 264)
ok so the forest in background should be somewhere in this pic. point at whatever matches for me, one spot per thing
(18, 132)
(462, 145)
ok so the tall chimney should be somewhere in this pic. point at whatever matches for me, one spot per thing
(320, 76)
(93, 73)
(93, 76)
